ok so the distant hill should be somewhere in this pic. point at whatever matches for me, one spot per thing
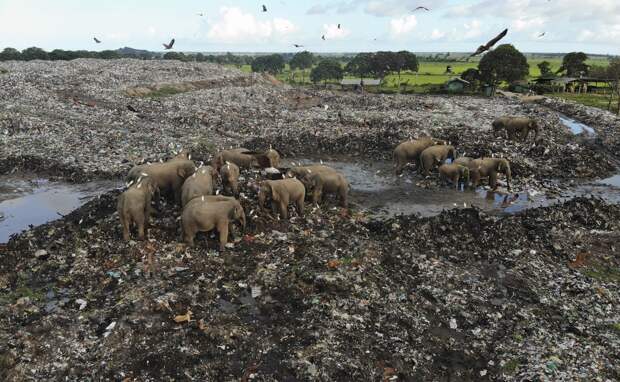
(127, 51)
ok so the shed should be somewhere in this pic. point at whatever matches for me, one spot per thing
(456, 85)
(519, 87)
(356, 82)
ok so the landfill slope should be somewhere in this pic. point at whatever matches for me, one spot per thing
(329, 296)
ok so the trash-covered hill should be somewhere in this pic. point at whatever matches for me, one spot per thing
(329, 296)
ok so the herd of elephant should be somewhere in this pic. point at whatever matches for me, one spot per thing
(203, 210)
(429, 153)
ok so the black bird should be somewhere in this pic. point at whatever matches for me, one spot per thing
(168, 46)
(264, 8)
(542, 34)
(421, 8)
(298, 46)
(323, 37)
(97, 40)
(489, 45)
(338, 26)
(200, 14)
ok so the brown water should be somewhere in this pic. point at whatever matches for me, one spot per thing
(27, 200)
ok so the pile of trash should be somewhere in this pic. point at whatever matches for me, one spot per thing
(49, 109)
(332, 295)
(462, 295)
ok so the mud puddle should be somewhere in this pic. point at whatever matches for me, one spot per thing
(375, 188)
(27, 200)
(577, 127)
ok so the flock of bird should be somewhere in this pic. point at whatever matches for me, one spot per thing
(481, 49)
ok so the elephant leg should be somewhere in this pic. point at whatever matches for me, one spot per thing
(125, 222)
(283, 209)
(140, 221)
(223, 230)
(189, 235)
(316, 195)
(455, 180)
(493, 180)
(344, 197)
(300, 206)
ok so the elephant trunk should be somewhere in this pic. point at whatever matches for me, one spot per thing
(261, 200)
(242, 219)
(508, 176)
(536, 130)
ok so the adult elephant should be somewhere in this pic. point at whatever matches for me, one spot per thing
(168, 177)
(516, 128)
(489, 168)
(435, 155)
(409, 152)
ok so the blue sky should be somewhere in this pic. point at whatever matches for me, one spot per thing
(366, 25)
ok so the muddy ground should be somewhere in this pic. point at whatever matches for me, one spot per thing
(463, 295)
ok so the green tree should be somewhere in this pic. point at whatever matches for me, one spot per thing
(302, 61)
(505, 63)
(613, 75)
(545, 69)
(273, 64)
(382, 63)
(360, 65)
(471, 75)
(9, 54)
(109, 54)
(574, 64)
(404, 61)
(174, 56)
(326, 70)
(34, 53)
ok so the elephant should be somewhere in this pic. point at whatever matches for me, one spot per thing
(241, 157)
(134, 206)
(410, 151)
(435, 155)
(200, 183)
(454, 173)
(168, 177)
(463, 161)
(301, 172)
(490, 167)
(516, 128)
(184, 154)
(200, 215)
(266, 159)
(282, 192)
(230, 178)
(327, 182)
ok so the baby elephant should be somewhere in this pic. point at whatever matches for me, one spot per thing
(134, 206)
(230, 178)
(282, 192)
(200, 183)
(327, 182)
(200, 215)
(435, 155)
(454, 173)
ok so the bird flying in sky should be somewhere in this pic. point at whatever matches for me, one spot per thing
(323, 37)
(298, 46)
(421, 9)
(97, 40)
(489, 45)
(542, 34)
(168, 46)
(264, 8)
(201, 14)
(338, 26)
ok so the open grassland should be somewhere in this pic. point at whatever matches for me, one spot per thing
(600, 101)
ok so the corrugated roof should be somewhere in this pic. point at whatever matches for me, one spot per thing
(353, 81)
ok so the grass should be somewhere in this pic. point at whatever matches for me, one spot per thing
(590, 99)
(603, 273)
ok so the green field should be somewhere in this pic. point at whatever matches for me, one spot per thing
(596, 100)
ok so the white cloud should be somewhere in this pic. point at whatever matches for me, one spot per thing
(402, 26)
(236, 26)
(436, 34)
(523, 24)
(472, 29)
(332, 32)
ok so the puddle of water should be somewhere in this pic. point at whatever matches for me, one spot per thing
(26, 200)
(576, 127)
(375, 188)
(613, 181)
